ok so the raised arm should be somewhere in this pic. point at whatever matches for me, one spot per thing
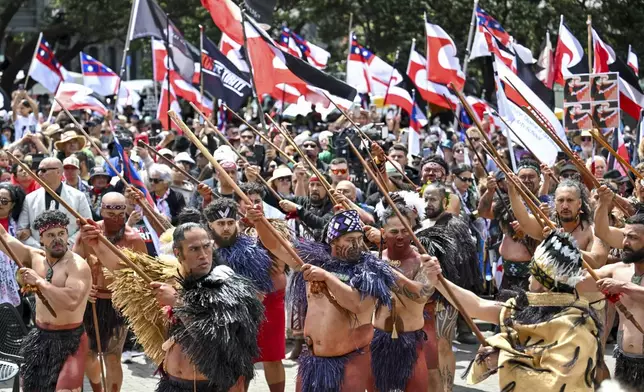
(89, 235)
(420, 288)
(485, 203)
(612, 236)
(23, 252)
(266, 236)
(76, 290)
(529, 224)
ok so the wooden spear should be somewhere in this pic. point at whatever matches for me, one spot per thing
(420, 246)
(243, 158)
(261, 135)
(365, 136)
(82, 220)
(144, 204)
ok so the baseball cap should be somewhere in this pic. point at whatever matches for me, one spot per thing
(184, 157)
(71, 161)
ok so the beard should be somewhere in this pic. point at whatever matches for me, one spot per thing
(568, 219)
(432, 213)
(315, 196)
(631, 256)
(224, 242)
(60, 251)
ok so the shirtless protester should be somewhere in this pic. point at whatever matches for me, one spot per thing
(112, 328)
(214, 316)
(54, 351)
(397, 349)
(338, 327)
(625, 280)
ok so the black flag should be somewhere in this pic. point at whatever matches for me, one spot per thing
(261, 10)
(221, 78)
(149, 20)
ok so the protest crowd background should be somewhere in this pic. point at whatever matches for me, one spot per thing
(477, 115)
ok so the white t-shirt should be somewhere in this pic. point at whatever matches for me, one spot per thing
(24, 125)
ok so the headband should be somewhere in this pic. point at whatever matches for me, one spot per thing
(435, 165)
(529, 165)
(225, 213)
(342, 223)
(118, 207)
(51, 225)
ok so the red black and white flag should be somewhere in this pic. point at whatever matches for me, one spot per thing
(570, 58)
(443, 65)
(631, 61)
(545, 63)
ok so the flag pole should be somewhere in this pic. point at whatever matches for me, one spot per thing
(126, 48)
(589, 23)
(154, 72)
(393, 69)
(252, 73)
(350, 40)
(167, 64)
(470, 38)
(201, 30)
(32, 59)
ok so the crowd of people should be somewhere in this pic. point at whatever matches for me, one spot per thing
(229, 240)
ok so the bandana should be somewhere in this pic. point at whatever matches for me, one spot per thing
(342, 223)
(225, 213)
(52, 225)
(226, 165)
(529, 165)
(117, 207)
(436, 166)
(314, 178)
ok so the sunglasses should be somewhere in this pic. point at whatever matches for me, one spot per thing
(46, 169)
(155, 180)
(309, 145)
(284, 179)
(475, 139)
(466, 179)
(586, 139)
(458, 151)
(4, 202)
(339, 171)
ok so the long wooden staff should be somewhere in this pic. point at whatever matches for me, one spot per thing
(169, 162)
(261, 135)
(98, 346)
(487, 143)
(243, 158)
(539, 119)
(420, 246)
(364, 136)
(143, 203)
(625, 164)
(82, 220)
(618, 304)
(283, 242)
(33, 289)
(312, 167)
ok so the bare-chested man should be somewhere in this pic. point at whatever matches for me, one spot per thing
(516, 248)
(112, 328)
(214, 351)
(397, 349)
(54, 351)
(338, 327)
(624, 279)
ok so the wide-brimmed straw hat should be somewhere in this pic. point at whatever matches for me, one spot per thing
(69, 136)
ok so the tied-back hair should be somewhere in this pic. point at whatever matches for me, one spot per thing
(179, 234)
(210, 212)
(637, 219)
(17, 196)
(190, 215)
(585, 213)
(250, 188)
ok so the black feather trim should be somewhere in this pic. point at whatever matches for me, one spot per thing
(369, 275)
(219, 321)
(248, 258)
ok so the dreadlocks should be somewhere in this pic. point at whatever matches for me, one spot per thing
(585, 213)
(50, 219)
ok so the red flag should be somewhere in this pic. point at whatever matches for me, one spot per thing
(569, 55)
(168, 101)
(430, 91)
(442, 62)
(227, 16)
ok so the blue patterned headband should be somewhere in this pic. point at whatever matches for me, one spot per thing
(342, 223)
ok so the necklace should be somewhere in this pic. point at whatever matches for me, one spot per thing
(50, 271)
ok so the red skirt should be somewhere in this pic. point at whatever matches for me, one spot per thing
(271, 338)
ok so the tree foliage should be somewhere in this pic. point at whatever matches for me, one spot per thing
(382, 25)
